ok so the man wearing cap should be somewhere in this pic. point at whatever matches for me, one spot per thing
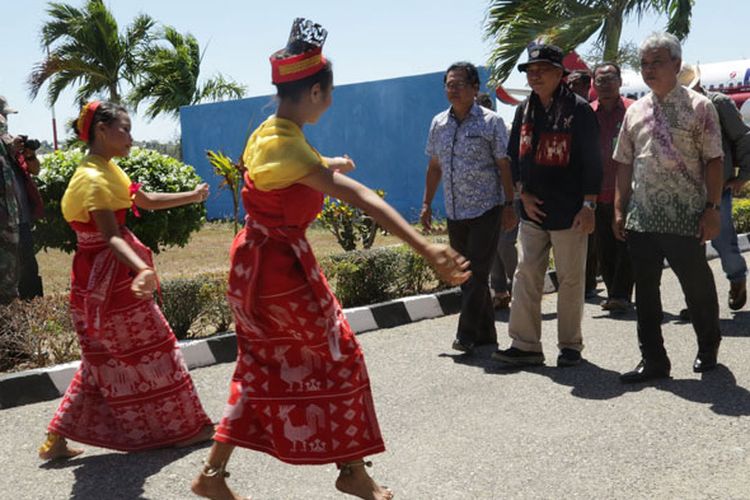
(24, 163)
(9, 217)
(467, 149)
(667, 195)
(558, 170)
(612, 254)
(735, 142)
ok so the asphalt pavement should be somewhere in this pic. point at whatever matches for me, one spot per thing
(459, 427)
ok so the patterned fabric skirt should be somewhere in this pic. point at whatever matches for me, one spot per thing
(289, 397)
(132, 390)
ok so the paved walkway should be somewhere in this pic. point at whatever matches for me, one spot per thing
(458, 428)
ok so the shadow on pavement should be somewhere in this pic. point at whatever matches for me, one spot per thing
(738, 326)
(589, 381)
(718, 388)
(120, 475)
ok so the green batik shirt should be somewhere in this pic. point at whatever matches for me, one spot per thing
(669, 143)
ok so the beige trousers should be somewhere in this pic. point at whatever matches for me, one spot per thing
(569, 247)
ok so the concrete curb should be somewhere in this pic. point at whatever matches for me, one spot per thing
(43, 384)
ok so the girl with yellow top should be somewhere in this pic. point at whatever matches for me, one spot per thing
(132, 390)
(300, 391)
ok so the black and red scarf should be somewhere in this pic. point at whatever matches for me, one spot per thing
(546, 135)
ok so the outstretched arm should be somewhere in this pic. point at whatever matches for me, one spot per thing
(161, 201)
(447, 262)
(341, 164)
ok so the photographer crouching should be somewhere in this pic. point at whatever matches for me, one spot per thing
(20, 154)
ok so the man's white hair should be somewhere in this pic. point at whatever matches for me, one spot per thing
(657, 41)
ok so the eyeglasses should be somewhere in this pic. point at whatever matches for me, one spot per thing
(602, 79)
(456, 85)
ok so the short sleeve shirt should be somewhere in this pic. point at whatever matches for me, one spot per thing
(668, 141)
(96, 184)
(467, 152)
(277, 155)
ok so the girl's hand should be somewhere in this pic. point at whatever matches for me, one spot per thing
(201, 192)
(450, 265)
(342, 164)
(144, 284)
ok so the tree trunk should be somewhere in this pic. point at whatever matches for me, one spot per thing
(114, 95)
(612, 33)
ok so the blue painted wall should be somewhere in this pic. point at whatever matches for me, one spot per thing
(382, 125)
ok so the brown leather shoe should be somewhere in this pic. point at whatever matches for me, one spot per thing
(737, 295)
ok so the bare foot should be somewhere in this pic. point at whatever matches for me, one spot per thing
(214, 488)
(206, 434)
(358, 483)
(56, 447)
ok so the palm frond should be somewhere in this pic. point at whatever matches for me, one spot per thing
(680, 12)
(513, 24)
(218, 88)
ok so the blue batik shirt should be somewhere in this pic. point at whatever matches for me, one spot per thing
(467, 152)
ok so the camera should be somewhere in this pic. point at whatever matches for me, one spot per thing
(32, 144)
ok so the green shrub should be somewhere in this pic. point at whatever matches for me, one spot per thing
(181, 302)
(416, 274)
(349, 224)
(156, 229)
(364, 277)
(216, 312)
(741, 214)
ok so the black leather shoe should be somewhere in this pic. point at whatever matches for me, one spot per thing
(465, 347)
(705, 361)
(645, 372)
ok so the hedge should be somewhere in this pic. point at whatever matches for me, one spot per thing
(156, 172)
(40, 333)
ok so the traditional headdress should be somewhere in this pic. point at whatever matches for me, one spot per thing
(303, 54)
(85, 118)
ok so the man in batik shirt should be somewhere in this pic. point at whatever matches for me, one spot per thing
(667, 200)
(466, 146)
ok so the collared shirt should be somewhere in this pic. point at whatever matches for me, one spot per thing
(669, 142)
(559, 162)
(467, 152)
(609, 129)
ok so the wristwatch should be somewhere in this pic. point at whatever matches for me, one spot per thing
(715, 206)
(589, 204)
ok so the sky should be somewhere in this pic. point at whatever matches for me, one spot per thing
(366, 41)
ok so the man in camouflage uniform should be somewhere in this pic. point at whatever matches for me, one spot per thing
(9, 258)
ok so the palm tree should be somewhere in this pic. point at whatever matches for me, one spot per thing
(170, 73)
(89, 52)
(513, 24)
